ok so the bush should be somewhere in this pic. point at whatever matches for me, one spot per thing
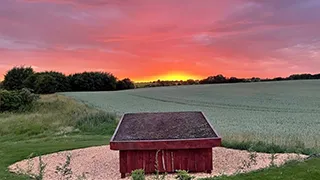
(16, 100)
(47, 82)
(184, 175)
(138, 174)
(92, 81)
(125, 84)
(50, 81)
(15, 77)
(97, 123)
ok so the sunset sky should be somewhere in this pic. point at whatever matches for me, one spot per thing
(166, 39)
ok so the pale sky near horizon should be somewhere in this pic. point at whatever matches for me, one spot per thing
(146, 40)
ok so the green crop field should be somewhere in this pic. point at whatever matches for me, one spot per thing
(279, 113)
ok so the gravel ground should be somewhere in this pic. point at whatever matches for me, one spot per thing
(101, 163)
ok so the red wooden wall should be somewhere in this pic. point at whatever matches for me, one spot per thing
(192, 160)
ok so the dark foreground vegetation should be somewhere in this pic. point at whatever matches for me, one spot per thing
(50, 81)
(18, 100)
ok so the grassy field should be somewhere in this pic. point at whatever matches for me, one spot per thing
(283, 114)
(59, 123)
(56, 123)
(308, 170)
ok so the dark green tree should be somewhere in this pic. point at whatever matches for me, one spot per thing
(125, 84)
(14, 79)
(191, 81)
(316, 76)
(219, 78)
(92, 81)
(214, 79)
(300, 76)
(45, 84)
(58, 82)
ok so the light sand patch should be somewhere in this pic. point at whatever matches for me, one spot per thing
(101, 163)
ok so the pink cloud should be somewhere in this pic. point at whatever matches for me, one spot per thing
(237, 38)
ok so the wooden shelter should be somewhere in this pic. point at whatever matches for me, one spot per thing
(165, 141)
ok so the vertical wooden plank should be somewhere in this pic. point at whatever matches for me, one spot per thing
(135, 162)
(191, 159)
(196, 160)
(208, 159)
(177, 163)
(160, 162)
(130, 160)
(168, 160)
(149, 165)
(144, 160)
(184, 160)
(152, 160)
(172, 161)
(139, 159)
(123, 161)
(202, 161)
(180, 158)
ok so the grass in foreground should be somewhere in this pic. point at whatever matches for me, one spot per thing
(11, 152)
(56, 115)
(260, 146)
(59, 123)
(56, 123)
(309, 169)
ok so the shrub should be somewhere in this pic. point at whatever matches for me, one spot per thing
(138, 174)
(184, 175)
(16, 100)
(15, 77)
(191, 81)
(63, 83)
(125, 84)
(47, 82)
(214, 79)
(92, 81)
(30, 81)
(98, 123)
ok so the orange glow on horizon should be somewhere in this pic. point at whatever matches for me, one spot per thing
(171, 76)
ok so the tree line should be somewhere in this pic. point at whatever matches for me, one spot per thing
(217, 79)
(222, 79)
(51, 81)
